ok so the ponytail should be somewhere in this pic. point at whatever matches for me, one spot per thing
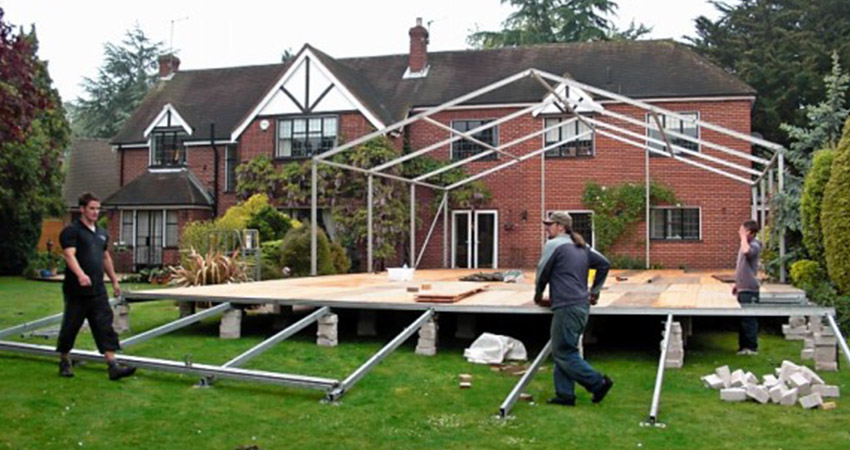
(577, 239)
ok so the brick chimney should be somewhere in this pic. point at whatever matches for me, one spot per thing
(418, 57)
(168, 65)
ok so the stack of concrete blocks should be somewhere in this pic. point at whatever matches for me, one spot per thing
(231, 324)
(326, 335)
(427, 343)
(121, 318)
(795, 329)
(791, 384)
(824, 344)
(675, 347)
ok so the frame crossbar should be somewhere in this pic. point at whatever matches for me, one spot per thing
(41, 323)
(510, 400)
(176, 325)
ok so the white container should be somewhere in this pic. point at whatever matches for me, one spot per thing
(400, 273)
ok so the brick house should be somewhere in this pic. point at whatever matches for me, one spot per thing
(178, 152)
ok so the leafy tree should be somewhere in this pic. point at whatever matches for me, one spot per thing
(30, 153)
(20, 98)
(128, 72)
(779, 47)
(549, 21)
(835, 216)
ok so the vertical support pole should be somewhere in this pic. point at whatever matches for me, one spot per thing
(369, 207)
(781, 186)
(762, 208)
(542, 196)
(314, 231)
(446, 231)
(647, 194)
(412, 226)
(659, 377)
(754, 202)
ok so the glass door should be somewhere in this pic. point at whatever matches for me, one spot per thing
(475, 239)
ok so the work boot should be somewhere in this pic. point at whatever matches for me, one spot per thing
(118, 371)
(607, 383)
(562, 401)
(65, 369)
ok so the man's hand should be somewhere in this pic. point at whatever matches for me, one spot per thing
(594, 299)
(734, 290)
(743, 232)
(84, 279)
(116, 289)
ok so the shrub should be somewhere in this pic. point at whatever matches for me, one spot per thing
(270, 252)
(811, 202)
(295, 252)
(41, 261)
(626, 262)
(237, 216)
(339, 258)
(835, 215)
(806, 272)
(196, 236)
(271, 223)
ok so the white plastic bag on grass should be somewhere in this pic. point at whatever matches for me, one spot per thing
(494, 349)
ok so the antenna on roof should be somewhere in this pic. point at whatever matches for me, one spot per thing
(171, 39)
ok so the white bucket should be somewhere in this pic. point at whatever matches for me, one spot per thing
(400, 273)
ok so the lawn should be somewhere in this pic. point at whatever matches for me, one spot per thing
(408, 401)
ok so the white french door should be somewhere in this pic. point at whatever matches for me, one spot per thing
(475, 239)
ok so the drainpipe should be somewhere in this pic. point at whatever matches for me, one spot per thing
(215, 170)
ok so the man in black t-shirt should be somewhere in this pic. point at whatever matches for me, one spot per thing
(85, 247)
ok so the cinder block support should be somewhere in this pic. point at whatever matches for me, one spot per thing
(465, 326)
(366, 322)
(121, 318)
(427, 343)
(231, 324)
(675, 347)
(326, 335)
(186, 308)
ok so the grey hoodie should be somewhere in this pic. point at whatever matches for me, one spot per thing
(564, 267)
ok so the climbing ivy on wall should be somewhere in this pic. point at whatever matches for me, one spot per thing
(615, 208)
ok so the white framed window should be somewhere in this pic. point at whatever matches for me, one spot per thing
(582, 224)
(126, 233)
(171, 228)
(675, 223)
(167, 149)
(578, 147)
(463, 148)
(231, 160)
(677, 125)
(303, 137)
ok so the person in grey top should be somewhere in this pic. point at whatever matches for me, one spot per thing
(747, 285)
(564, 266)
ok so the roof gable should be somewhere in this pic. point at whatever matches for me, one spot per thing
(168, 118)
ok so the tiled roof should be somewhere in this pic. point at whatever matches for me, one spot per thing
(162, 188)
(91, 167)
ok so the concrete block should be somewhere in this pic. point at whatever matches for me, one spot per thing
(465, 385)
(750, 379)
(808, 343)
(328, 319)
(675, 354)
(826, 366)
(724, 373)
(426, 351)
(800, 382)
(737, 379)
(807, 354)
(811, 375)
(324, 342)
(796, 321)
(674, 363)
(770, 381)
(366, 319)
(826, 390)
(121, 318)
(826, 406)
(790, 398)
(713, 381)
(826, 353)
(231, 324)
(795, 337)
(465, 377)
(822, 340)
(733, 394)
(811, 401)
(787, 369)
(777, 392)
(758, 393)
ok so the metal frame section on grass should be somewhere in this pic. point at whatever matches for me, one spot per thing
(560, 95)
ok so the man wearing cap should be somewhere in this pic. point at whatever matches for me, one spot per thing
(564, 266)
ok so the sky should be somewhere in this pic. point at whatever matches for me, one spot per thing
(209, 34)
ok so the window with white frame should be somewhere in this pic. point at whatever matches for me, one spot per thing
(463, 148)
(675, 223)
(127, 227)
(231, 160)
(303, 137)
(676, 125)
(582, 146)
(167, 149)
(171, 228)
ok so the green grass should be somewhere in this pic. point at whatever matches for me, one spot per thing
(408, 401)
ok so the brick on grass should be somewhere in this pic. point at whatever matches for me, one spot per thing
(810, 375)
(737, 379)
(790, 397)
(713, 381)
(733, 395)
(811, 401)
(826, 390)
(750, 379)
(758, 393)
(777, 392)
(770, 380)
(724, 373)
(807, 354)
(826, 406)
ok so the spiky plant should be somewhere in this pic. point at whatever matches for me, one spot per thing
(214, 267)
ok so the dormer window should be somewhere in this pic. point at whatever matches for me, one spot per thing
(167, 149)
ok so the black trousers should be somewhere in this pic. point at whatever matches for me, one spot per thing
(94, 308)
(748, 330)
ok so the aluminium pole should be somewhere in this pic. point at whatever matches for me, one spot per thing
(754, 202)
(314, 232)
(762, 211)
(659, 377)
(543, 195)
(412, 226)
(446, 231)
(781, 182)
(369, 207)
(646, 164)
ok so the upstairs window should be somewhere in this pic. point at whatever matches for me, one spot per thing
(464, 148)
(674, 224)
(577, 147)
(231, 160)
(674, 124)
(167, 148)
(304, 137)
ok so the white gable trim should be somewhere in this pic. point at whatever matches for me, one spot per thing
(290, 72)
(580, 101)
(168, 117)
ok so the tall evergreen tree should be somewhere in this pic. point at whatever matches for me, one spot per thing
(128, 72)
(781, 48)
(549, 21)
(30, 165)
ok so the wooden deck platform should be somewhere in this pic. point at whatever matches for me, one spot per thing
(653, 292)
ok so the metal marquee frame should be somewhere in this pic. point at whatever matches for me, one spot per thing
(560, 97)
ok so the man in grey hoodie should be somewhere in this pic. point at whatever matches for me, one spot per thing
(564, 266)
